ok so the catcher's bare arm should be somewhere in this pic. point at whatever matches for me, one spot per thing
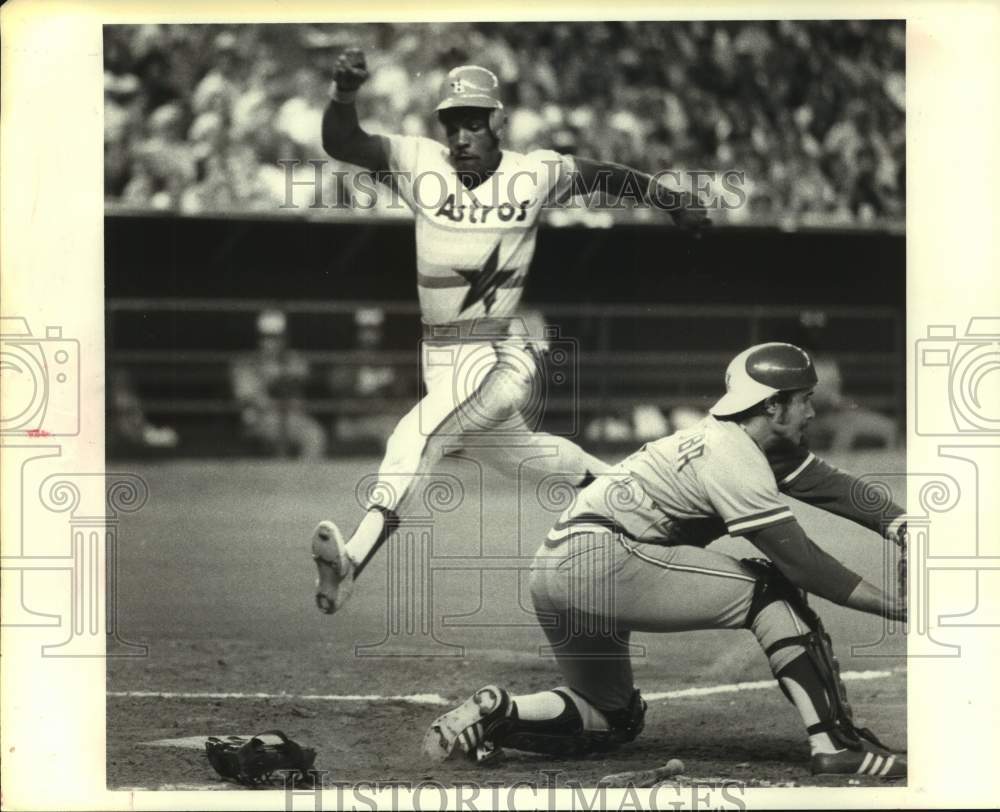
(622, 182)
(343, 137)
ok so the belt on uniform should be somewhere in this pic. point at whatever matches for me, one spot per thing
(485, 329)
(587, 523)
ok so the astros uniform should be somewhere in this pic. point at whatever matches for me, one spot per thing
(474, 246)
(474, 249)
(629, 554)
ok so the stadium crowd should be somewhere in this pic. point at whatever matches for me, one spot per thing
(198, 117)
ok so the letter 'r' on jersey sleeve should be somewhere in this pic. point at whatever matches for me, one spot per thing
(743, 492)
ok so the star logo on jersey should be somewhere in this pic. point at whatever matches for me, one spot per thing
(484, 282)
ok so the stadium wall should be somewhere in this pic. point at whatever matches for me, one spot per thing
(366, 259)
(653, 315)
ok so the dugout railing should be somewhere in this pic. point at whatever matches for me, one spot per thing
(612, 357)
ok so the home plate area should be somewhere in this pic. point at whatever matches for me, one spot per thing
(215, 578)
(737, 732)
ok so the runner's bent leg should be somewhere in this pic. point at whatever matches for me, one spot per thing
(410, 451)
(538, 454)
(510, 444)
(456, 405)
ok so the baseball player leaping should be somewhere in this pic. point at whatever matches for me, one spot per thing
(477, 209)
(630, 555)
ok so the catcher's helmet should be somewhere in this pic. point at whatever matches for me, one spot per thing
(473, 86)
(761, 371)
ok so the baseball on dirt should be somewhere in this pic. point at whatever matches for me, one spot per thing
(675, 765)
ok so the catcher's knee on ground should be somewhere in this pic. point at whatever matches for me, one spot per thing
(581, 728)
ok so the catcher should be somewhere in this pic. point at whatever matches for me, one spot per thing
(630, 555)
(477, 209)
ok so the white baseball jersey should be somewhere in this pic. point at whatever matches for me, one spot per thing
(474, 246)
(689, 488)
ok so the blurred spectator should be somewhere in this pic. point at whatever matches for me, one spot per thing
(611, 428)
(221, 86)
(367, 380)
(684, 417)
(649, 423)
(812, 112)
(121, 112)
(128, 427)
(268, 385)
(643, 422)
(840, 423)
(164, 165)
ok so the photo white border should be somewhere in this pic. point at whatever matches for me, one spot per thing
(51, 237)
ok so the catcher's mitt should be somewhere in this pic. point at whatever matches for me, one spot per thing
(902, 540)
(252, 762)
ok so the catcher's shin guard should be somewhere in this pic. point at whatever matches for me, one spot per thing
(628, 723)
(839, 724)
(489, 720)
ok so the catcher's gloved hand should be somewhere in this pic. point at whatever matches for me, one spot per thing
(350, 70)
(896, 533)
(901, 539)
(252, 762)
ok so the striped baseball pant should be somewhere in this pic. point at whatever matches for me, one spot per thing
(593, 589)
(478, 395)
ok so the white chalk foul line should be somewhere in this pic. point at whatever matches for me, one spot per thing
(219, 787)
(192, 742)
(708, 690)
(437, 699)
(417, 699)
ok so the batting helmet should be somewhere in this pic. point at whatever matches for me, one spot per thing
(473, 86)
(761, 371)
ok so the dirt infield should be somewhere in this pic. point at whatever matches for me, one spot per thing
(215, 577)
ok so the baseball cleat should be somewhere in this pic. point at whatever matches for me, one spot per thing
(487, 754)
(466, 725)
(870, 760)
(336, 569)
